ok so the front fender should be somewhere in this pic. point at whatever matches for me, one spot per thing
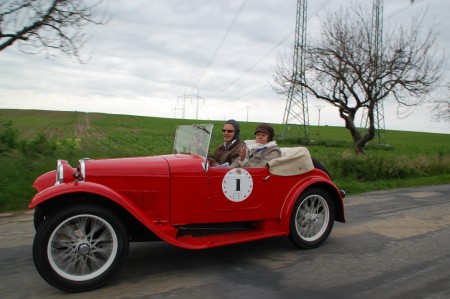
(90, 188)
(164, 231)
(303, 185)
(96, 189)
(76, 187)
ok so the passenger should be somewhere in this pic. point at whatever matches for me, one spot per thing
(228, 152)
(263, 150)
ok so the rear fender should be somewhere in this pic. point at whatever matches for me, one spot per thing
(301, 187)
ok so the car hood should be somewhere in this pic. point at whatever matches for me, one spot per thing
(117, 167)
(123, 171)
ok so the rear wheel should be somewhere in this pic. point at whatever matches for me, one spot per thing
(312, 218)
(80, 248)
(320, 166)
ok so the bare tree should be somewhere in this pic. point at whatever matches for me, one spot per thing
(48, 25)
(340, 68)
(441, 108)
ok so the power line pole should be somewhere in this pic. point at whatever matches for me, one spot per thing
(297, 104)
(197, 98)
(319, 107)
(376, 41)
(183, 99)
(174, 110)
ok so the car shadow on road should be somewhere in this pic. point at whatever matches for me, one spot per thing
(160, 258)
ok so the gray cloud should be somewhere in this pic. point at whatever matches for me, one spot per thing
(152, 52)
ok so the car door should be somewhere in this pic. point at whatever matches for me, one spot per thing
(224, 194)
(243, 194)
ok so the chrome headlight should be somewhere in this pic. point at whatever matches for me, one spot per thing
(82, 169)
(59, 172)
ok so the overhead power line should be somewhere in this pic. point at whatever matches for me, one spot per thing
(219, 45)
(282, 41)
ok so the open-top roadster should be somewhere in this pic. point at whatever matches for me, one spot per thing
(86, 216)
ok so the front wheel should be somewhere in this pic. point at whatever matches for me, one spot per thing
(38, 218)
(312, 219)
(80, 248)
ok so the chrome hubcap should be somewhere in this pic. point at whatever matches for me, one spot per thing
(82, 247)
(312, 217)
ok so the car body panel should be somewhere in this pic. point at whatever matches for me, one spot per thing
(169, 193)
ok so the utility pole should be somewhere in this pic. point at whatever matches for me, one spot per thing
(183, 99)
(318, 122)
(297, 104)
(198, 98)
(174, 110)
(376, 41)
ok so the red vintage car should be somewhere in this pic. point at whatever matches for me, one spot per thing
(86, 216)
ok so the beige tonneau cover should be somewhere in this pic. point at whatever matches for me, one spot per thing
(293, 161)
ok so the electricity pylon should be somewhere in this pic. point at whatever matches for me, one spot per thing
(297, 102)
(376, 41)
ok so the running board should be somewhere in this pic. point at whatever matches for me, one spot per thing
(197, 230)
(214, 235)
(227, 238)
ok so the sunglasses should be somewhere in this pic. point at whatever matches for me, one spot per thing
(228, 131)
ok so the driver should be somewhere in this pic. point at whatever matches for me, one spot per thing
(228, 152)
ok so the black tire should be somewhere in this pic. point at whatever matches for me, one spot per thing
(38, 217)
(80, 248)
(312, 219)
(320, 166)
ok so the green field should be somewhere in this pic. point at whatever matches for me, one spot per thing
(31, 141)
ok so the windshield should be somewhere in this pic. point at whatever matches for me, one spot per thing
(193, 139)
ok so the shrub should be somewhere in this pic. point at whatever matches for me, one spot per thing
(371, 167)
(8, 137)
(39, 145)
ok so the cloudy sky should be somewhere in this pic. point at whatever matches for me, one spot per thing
(206, 59)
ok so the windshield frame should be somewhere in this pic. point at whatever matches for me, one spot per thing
(193, 140)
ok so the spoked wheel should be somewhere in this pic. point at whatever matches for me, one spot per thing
(80, 249)
(312, 219)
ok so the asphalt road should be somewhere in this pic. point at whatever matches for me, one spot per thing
(395, 244)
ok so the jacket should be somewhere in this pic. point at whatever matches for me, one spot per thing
(231, 154)
(259, 155)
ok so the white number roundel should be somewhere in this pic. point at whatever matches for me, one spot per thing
(237, 184)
